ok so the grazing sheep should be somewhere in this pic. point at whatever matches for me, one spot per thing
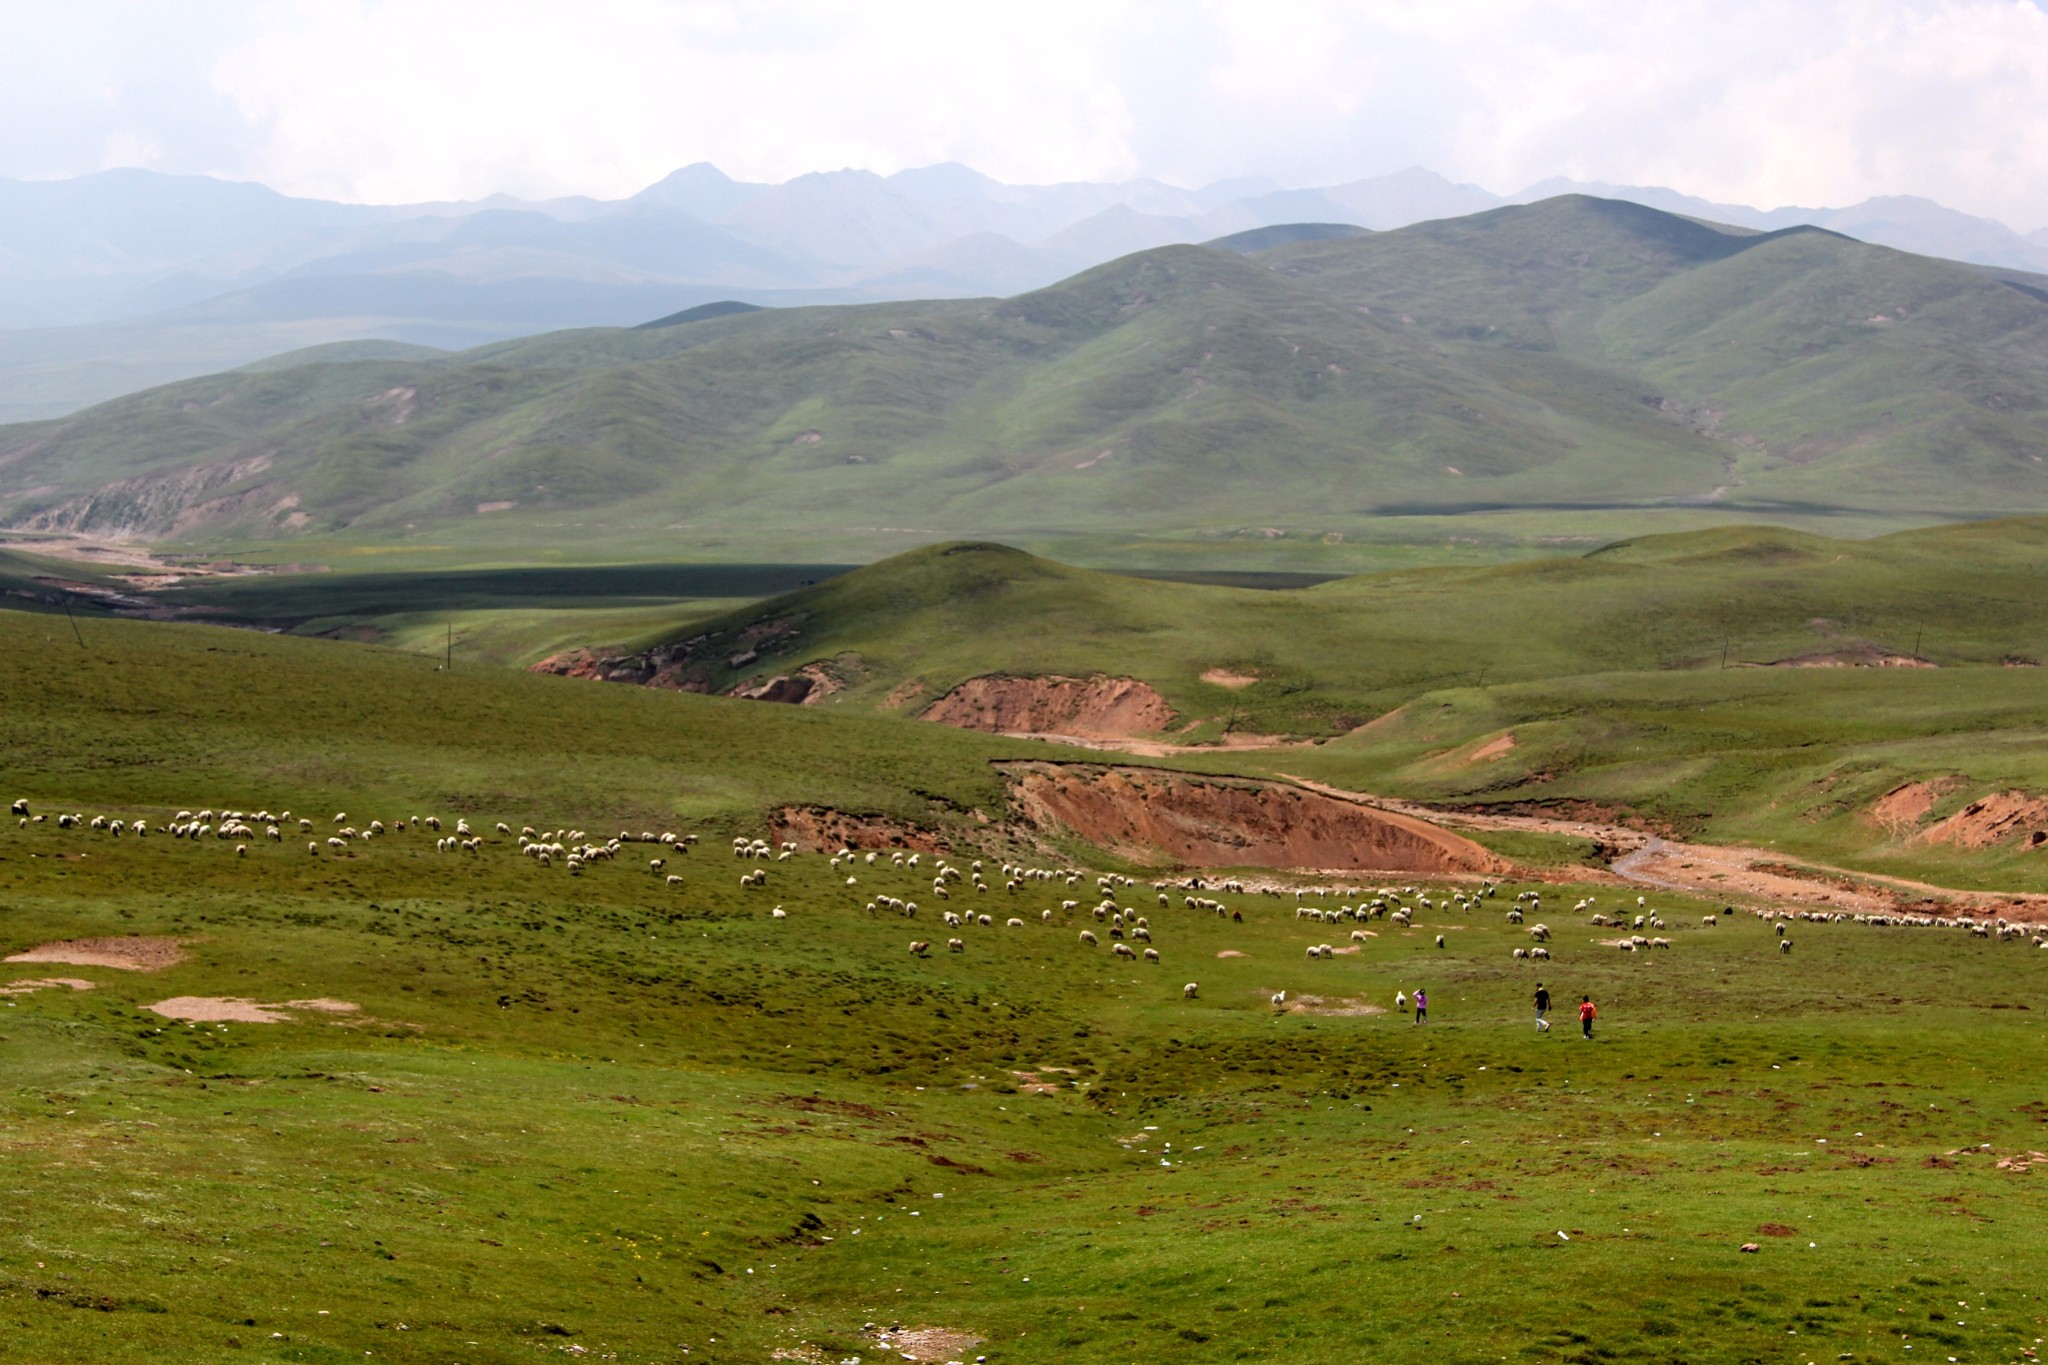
(1781, 931)
(1784, 945)
(1279, 999)
(1191, 990)
(1660, 943)
(1015, 923)
(1152, 955)
(778, 913)
(956, 945)
(1045, 916)
(1542, 954)
(312, 848)
(1439, 940)
(1540, 932)
(1708, 921)
(19, 808)
(674, 880)
(1521, 952)
(920, 946)
(1088, 937)
(1121, 950)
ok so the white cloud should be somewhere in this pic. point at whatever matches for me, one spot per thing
(1757, 101)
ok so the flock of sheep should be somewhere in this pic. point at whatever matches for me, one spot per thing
(1127, 927)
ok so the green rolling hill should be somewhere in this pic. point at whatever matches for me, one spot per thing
(1574, 366)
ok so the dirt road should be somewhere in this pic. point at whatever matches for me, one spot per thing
(1730, 872)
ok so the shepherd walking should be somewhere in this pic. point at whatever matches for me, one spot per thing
(1588, 1012)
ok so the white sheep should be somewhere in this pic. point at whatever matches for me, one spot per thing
(1121, 950)
(1193, 988)
(1088, 937)
(1151, 954)
(955, 945)
(778, 913)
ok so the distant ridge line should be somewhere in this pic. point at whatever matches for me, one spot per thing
(703, 312)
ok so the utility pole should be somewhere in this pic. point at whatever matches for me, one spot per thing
(448, 659)
(1916, 639)
(1724, 653)
(74, 622)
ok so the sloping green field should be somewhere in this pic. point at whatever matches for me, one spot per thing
(599, 1114)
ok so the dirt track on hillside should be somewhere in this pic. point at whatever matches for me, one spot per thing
(1730, 872)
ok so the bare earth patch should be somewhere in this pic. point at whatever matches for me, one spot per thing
(1224, 677)
(930, 1343)
(1097, 707)
(1230, 952)
(126, 954)
(1903, 807)
(1493, 748)
(1330, 1004)
(29, 985)
(217, 1009)
(1990, 820)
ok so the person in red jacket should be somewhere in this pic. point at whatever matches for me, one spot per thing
(1587, 1014)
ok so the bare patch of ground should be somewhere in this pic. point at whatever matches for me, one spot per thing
(1906, 806)
(1230, 952)
(1206, 821)
(807, 686)
(219, 1009)
(1329, 1004)
(1854, 656)
(1493, 748)
(1992, 820)
(1230, 678)
(1089, 708)
(30, 985)
(929, 1343)
(126, 954)
(822, 829)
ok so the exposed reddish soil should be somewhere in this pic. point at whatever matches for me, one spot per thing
(1992, 820)
(573, 663)
(819, 828)
(1493, 748)
(1904, 807)
(807, 686)
(127, 954)
(1087, 708)
(1231, 822)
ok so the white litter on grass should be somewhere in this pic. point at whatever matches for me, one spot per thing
(1561, 1235)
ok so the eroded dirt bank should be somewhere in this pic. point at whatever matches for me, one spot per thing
(1146, 814)
(1088, 708)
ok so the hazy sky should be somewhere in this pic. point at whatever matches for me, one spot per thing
(1797, 101)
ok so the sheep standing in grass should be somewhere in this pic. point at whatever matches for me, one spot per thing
(920, 946)
(1784, 945)
(1191, 990)
(1088, 937)
(955, 945)
(1152, 955)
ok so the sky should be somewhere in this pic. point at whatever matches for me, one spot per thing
(1811, 102)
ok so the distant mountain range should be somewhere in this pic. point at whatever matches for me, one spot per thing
(113, 282)
(1571, 359)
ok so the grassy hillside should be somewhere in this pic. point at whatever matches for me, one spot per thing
(1740, 683)
(597, 1113)
(1576, 367)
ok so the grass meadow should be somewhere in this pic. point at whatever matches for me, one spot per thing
(600, 1115)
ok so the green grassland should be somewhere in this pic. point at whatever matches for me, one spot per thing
(603, 1115)
(1636, 676)
(1571, 368)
